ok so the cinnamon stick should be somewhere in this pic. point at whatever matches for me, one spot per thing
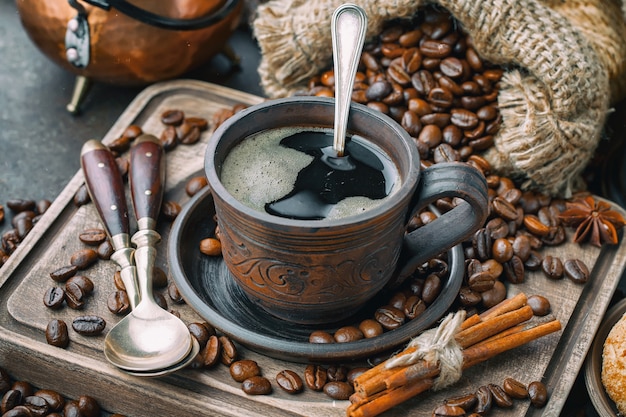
(388, 399)
(505, 306)
(480, 352)
(493, 325)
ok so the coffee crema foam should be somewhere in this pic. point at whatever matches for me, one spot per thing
(259, 170)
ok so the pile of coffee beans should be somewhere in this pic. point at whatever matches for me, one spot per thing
(493, 396)
(22, 399)
(24, 214)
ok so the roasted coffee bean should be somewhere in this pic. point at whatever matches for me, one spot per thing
(243, 369)
(160, 300)
(538, 393)
(71, 409)
(82, 196)
(118, 302)
(257, 385)
(132, 132)
(336, 373)
(105, 250)
(211, 246)
(348, 334)
(493, 296)
(85, 283)
(23, 226)
(54, 297)
(200, 122)
(93, 236)
(576, 270)
(53, 399)
(195, 184)
(83, 258)
(18, 411)
(414, 307)
(88, 406)
(170, 209)
(432, 48)
(11, 399)
(521, 247)
(159, 278)
(535, 226)
(212, 351)
(320, 336)
(117, 281)
(481, 281)
(482, 243)
(63, 273)
(315, 377)
(446, 410)
(169, 138)
(539, 304)
(515, 389)
(534, 261)
(18, 205)
(466, 402)
(552, 267)
(370, 328)
(89, 325)
(484, 400)
(504, 209)
(378, 90)
(338, 390)
(502, 250)
(229, 350)
(174, 294)
(469, 298)
(57, 334)
(187, 133)
(500, 397)
(74, 296)
(172, 117)
(431, 289)
(201, 331)
(289, 381)
(354, 373)
(463, 118)
(119, 145)
(36, 405)
(389, 317)
(514, 270)
(22, 386)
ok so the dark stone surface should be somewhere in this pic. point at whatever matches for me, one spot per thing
(40, 140)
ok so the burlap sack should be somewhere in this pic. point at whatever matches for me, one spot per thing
(554, 95)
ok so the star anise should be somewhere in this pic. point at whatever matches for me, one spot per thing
(593, 219)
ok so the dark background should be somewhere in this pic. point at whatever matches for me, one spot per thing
(40, 140)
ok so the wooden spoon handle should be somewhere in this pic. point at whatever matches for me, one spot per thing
(147, 178)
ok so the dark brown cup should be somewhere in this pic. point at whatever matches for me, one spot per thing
(321, 271)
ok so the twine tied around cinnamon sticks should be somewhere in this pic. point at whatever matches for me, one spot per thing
(479, 337)
(437, 345)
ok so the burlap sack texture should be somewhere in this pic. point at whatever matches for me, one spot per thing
(564, 64)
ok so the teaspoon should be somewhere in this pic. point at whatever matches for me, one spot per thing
(348, 27)
(149, 339)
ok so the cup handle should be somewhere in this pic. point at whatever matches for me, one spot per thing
(448, 179)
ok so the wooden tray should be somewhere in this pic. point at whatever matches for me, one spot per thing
(82, 368)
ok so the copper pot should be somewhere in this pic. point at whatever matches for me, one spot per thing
(125, 43)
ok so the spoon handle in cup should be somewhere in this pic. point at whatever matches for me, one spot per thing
(106, 188)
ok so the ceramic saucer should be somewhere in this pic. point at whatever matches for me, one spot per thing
(206, 285)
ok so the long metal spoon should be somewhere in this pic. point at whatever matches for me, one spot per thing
(348, 27)
(148, 339)
(106, 188)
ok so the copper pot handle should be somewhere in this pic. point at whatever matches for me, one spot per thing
(165, 22)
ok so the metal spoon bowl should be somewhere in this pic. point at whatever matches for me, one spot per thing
(195, 349)
(348, 27)
(149, 338)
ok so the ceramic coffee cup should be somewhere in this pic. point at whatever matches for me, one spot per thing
(321, 271)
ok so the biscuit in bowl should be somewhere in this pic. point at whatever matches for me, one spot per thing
(614, 364)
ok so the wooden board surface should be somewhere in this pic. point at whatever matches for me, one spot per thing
(82, 368)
